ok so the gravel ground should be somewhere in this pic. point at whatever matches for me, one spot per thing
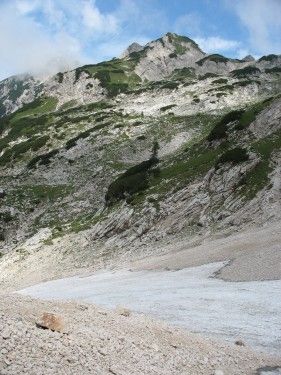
(98, 341)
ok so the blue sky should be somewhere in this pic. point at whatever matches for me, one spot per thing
(46, 36)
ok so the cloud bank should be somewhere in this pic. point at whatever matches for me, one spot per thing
(43, 37)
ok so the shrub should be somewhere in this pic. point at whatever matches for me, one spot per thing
(114, 89)
(73, 141)
(6, 216)
(244, 72)
(170, 85)
(78, 73)
(220, 81)
(43, 159)
(215, 58)
(220, 129)
(250, 115)
(163, 109)
(59, 77)
(103, 76)
(21, 148)
(220, 94)
(207, 75)
(271, 57)
(173, 55)
(235, 155)
(134, 180)
(276, 69)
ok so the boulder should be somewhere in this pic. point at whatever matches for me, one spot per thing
(51, 321)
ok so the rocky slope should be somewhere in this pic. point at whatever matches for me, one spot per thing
(98, 341)
(164, 142)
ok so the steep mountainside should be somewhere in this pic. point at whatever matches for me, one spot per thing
(166, 141)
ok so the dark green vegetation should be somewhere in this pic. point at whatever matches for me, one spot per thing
(241, 118)
(220, 81)
(183, 74)
(134, 180)
(179, 39)
(276, 69)
(269, 58)
(59, 77)
(245, 72)
(13, 153)
(220, 129)
(235, 155)
(167, 107)
(43, 159)
(37, 107)
(257, 178)
(115, 76)
(215, 58)
(27, 123)
(207, 75)
(248, 116)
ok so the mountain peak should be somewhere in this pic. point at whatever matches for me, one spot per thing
(248, 58)
(134, 47)
(176, 39)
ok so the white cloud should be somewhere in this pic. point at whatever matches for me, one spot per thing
(47, 36)
(263, 22)
(94, 20)
(216, 44)
(29, 48)
(26, 6)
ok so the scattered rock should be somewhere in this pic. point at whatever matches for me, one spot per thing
(240, 343)
(218, 372)
(2, 193)
(6, 334)
(123, 311)
(51, 321)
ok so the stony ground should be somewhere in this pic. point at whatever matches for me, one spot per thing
(97, 341)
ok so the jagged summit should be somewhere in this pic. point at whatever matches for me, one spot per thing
(160, 57)
(134, 47)
(248, 58)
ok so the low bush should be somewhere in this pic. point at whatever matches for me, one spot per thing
(215, 58)
(235, 155)
(276, 69)
(220, 81)
(73, 141)
(269, 58)
(134, 180)
(207, 75)
(163, 109)
(173, 55)
(13, 153)
(6, 217)
(245, 72)
(170, 85)
(220, 129)
(43, 159)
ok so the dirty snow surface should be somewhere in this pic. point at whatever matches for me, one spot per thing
(191, 298)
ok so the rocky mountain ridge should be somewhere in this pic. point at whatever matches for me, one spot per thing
(158, 60)
(166, 142)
